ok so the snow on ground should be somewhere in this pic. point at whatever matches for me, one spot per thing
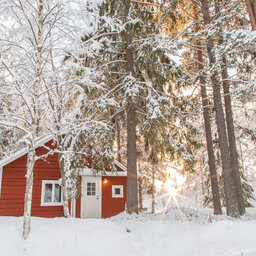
(192, 233)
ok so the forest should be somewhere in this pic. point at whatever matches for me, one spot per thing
(165, 87)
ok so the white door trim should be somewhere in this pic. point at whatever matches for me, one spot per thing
(100, 181)
(73, 207)
(81, 198)
(1, 177)
(100, 194)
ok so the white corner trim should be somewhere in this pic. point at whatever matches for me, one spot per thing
(1, 176)
(121, 195)
(100, 192)
(73, 207)
(43, 191)
(82, 198)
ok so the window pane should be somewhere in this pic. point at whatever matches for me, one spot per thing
(91, 187)
(57, 193)
(48, 193)
(117, 191)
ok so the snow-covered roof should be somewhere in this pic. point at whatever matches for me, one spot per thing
(121, 166)
(40, 142)
(90, 172)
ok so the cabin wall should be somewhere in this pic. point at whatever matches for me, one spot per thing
(14, 185)
(112, 206)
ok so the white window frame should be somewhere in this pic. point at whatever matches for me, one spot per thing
(121, 195)
(53, 182)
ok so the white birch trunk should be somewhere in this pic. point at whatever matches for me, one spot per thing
(60, 158)
(34, 128)
(28, 194)
(65, 201)
(64, 187)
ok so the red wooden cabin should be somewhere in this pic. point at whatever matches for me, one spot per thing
(103, 196)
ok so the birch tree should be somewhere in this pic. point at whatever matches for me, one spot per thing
(21, 18)
(24, 62)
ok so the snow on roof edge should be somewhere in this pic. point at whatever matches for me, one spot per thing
(90, 172)
(22, 152)
(121, 166)
(39, 143)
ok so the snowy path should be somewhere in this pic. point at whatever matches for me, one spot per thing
(148, 237)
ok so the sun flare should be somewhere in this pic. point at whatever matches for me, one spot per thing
(174, 181)
(171, 190)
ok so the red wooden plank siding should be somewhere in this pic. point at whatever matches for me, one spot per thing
(78, 207)
(14, 184)
(112, 206)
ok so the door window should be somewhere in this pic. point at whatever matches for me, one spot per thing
(91, 188)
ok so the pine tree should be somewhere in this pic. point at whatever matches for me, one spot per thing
(137, 82)
(230, 194)
(230, 122)
(208, 132)
(251, 8)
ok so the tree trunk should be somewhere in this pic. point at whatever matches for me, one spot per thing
(251, 9)
(210, 151)
(153, 190)
(229, 184)
(232, 138)
(242, 157)
(34, 128)
(64, 185)
(132, 194)
(28, 194)
(140, 194)
(230, 126)
(208, 132)
(118, 143)
(132, 189)
(65, 201)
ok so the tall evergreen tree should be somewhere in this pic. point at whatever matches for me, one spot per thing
(207, 124)
(229, 120)
(251, 8)
(229, 183)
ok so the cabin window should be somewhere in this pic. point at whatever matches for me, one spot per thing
(51, 193)
(117, 191)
